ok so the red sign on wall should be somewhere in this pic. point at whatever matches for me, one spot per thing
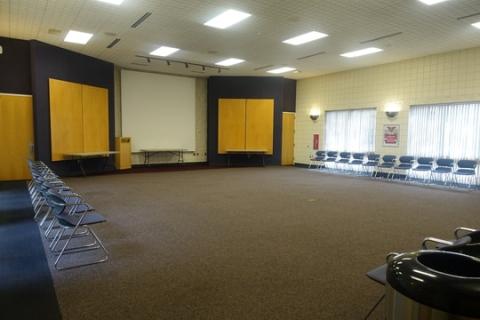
(316, 141)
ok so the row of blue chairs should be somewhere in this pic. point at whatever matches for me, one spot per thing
(408, 168)
(65, 219)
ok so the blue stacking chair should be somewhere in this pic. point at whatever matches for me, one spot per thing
(330, 158)
(404, 166)
(318, 159)
(387, 165)
(424, 166)
(343, 160)
(372, 163)
(466, 169)
(357, 161)
(443, 168)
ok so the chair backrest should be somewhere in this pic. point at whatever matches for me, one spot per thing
(345, 155)
(332, 154)
(56, 202)
(467, 164)
(358, 156)
(406, 159)
(389, 158)
(373, 157)
(425, 161)
(444, 162)
(320, 154)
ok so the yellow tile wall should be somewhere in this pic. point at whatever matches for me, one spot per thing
(447, 77)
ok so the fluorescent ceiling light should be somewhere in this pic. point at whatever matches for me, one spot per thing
(476, 25)
(432, 2)
(229, 62)
(164, 51)
(361, 52)
(117, 2)
(227, 19)
(77, 37)
(306, 37)
(281, 70)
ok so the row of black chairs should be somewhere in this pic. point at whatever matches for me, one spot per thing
(65, 219)
(462, 236)
(408, 168)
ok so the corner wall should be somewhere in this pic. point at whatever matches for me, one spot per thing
(448, 77)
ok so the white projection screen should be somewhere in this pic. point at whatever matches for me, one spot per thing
(158, 111)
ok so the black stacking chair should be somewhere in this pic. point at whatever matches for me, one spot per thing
(372, 163)
(318, 159)
(343, 160)
(424, 166)
(357, 161)
(330, 158)
(70, 221)
(404, 166)
(467, 170)
(387, 165)
(444, 169)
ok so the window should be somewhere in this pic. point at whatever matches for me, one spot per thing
(350, 130)
(445, 130)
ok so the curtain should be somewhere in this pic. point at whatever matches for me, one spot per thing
(350, 130)
(445, 131)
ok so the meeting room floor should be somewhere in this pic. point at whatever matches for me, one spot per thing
(249, 243)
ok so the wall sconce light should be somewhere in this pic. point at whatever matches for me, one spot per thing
(314, 114)
(392, 109)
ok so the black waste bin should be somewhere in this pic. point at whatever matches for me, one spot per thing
(434, 285)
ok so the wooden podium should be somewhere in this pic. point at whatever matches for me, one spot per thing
(123, 160)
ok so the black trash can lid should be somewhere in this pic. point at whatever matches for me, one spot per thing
(448, 281)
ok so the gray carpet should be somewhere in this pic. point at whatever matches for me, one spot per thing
(249, 243)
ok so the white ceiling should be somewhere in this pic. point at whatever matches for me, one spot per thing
(258, 39)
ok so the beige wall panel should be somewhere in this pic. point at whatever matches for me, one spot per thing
(447, 77)
(259, 124)
(16, 136)
(66, 118)
(95, 119)
(231, 124)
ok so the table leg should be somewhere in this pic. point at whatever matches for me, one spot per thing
(80, 165)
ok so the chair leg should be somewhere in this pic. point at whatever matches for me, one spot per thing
(375, 307)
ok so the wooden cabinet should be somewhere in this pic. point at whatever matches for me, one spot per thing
(245, 124)
(78, 118)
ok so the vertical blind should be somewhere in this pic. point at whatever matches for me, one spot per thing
(350, 130)
(445, 131)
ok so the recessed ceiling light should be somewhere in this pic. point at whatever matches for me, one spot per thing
(227, 19)
(432, 2)
(117, 2)
(476, 25)
(359, 53)
(229, 62)
(306, 37)
(281, 70)
(77, 37)
(164, 51)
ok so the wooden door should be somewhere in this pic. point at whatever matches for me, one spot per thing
(66, 118)
(16, 136)
(259, 125)
(231, 124)
(95, 119)
(288, 133)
